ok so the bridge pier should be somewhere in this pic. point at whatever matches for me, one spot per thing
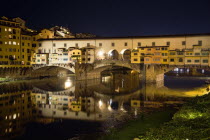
(152, 74)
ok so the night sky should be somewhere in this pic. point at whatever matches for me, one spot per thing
(114, 17)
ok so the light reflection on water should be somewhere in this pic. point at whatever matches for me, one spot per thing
(55, 102)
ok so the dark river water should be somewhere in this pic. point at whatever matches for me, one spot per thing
(62, 108)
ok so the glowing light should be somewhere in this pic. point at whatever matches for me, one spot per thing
(109, 108)
(68, 84)
(100, 53)
(135, 112)
(176, 69)
(14, 116)
(110, 102)
(100, 103)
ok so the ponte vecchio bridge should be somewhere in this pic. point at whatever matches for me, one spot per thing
(151, 56)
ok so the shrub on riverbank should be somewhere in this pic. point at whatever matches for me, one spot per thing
(191, 122)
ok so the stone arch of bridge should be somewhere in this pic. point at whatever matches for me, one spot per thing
(108, 64)
(55, 70)
(125, 54)
(113, 54)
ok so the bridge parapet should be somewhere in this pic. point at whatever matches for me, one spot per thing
(69, 66)
(122, 63)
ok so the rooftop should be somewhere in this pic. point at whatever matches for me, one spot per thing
(130, 37)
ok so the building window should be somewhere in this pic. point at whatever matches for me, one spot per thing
(135, 54)
(153, 43)
(205, 61)
(188, 53)
(164, 60)
(23, 44)
(180, 53)
(40, 44)
(172, 53)
(33, 45)
(200, 43)
(205, 53)
(157, 48)
(139, 43)
(164, 54)
(125, 44)
(54, 44)
(28, 44)
(183, 42)
(197, 61)
(88, 59)
(113, 44)
(197, 53)
(135, 59)
(180, 60)
(168, 43)
(100, 44)
(164, 48)
(1, 42)
(22, 50)
(188, 61)
(157, 53)
(65, 45)
(22, 56)
(171, 60)
(76, 45)
(149, 49)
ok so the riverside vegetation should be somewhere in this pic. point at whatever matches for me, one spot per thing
(191, 122)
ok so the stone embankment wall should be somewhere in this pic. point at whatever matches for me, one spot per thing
(9, 74)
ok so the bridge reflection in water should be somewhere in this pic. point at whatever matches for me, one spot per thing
(118, 95)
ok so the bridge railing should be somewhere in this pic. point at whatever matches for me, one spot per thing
(69, 65)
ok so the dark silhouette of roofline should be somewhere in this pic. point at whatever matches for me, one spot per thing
(130, 37)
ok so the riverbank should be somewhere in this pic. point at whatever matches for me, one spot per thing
(191, 122)
(139, 126)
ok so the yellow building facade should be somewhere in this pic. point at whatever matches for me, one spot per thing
(162, 55)
(17, 43)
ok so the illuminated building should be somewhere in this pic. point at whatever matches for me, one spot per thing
(17, 43)
(197, 55)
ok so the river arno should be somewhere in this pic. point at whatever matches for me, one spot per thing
(62, 108)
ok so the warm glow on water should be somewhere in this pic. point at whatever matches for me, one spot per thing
(197, 92)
